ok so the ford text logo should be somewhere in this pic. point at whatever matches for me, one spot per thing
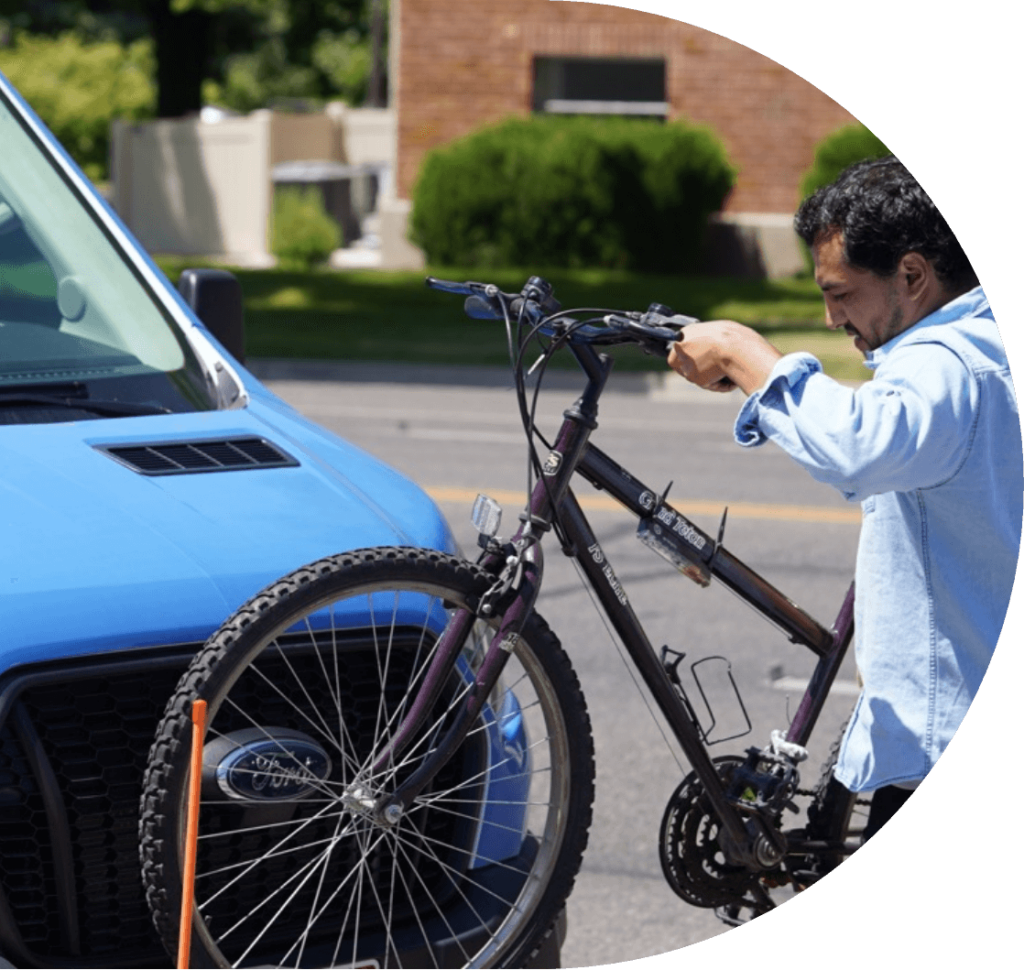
(267, 765)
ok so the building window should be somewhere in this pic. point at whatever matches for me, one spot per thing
(598, 85)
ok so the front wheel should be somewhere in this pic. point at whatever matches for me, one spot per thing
(306, 685)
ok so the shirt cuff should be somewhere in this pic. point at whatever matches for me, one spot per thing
(791, 371)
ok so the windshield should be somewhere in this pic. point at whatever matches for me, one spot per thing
(77, 321)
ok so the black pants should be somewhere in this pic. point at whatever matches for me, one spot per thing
(884, 804)
(839, 802)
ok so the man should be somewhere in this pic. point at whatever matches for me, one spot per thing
(931, 447)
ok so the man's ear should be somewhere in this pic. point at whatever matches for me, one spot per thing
(915, 273)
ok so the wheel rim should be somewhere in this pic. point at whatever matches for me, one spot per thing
(315, 878)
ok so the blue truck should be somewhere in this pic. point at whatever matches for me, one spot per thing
(149, 486)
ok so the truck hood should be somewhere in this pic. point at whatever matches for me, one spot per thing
(98, 557)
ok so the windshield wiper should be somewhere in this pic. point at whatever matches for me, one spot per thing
(108, 408)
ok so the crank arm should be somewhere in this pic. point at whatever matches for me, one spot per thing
(810, 846)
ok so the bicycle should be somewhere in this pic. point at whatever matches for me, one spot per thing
(399, 768)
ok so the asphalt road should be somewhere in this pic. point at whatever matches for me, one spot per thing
(461, 434)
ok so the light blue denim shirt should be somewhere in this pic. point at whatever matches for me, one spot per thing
(931, 448)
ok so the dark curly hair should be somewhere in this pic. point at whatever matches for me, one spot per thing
(883, 214)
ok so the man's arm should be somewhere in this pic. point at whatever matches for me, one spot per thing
(721, 354)
(908, 428)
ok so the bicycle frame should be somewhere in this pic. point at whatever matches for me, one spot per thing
(553, 500)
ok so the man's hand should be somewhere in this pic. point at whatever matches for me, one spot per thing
(721, 354)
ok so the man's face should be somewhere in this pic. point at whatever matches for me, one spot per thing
(866, 306)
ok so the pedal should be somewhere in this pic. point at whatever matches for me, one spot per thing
(730, 916)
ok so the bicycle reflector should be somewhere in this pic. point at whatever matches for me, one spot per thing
(486, 516)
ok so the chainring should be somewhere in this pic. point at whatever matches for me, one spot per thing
(691, 859)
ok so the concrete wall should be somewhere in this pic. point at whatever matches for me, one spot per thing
(196, 188)
(305, 137)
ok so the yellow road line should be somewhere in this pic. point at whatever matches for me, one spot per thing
(605, 503)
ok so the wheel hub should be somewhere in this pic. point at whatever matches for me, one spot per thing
(359, 800)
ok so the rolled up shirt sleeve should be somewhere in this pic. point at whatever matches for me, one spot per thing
(908, 428)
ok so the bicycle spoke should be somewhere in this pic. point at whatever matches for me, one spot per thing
(263, 827)
(459, 876)
(419, 921)
(303, 873)
(335, 689)
(277, 690)
(305, 693)
(469, 781)
(515, 830)
(324, 786)
(440, 911)
(266, 857)
(252, 864)
(382, 673)
(427, 730)
(358, 907)
(380, 909)
(301, 942)
(419, 672)
(429, 843)
(281, 910)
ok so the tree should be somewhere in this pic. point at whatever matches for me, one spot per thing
(240, 53)
(78, 87)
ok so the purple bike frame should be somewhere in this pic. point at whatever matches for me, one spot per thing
(552, 501)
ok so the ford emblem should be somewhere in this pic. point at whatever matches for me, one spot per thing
(264, 765)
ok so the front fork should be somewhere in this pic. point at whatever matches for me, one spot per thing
(521, 574)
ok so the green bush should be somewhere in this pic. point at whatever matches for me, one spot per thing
(78, 87)
(572, 192)
(303, 234)
(838, 151)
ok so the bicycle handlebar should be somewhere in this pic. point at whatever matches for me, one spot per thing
(654, 329)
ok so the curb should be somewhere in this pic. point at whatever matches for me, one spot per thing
(660, 386)
(649, 384)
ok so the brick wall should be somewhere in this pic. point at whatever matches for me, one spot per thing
(463, 63)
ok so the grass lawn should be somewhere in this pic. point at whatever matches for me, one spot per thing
(375, 315)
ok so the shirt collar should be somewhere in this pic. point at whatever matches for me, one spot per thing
(973, 303)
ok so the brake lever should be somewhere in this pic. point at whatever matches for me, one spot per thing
(654, 339)
(676, 320)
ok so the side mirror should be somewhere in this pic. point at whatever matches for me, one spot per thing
(215, 296)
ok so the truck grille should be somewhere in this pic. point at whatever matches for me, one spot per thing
(74, 743)
(73, 750)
